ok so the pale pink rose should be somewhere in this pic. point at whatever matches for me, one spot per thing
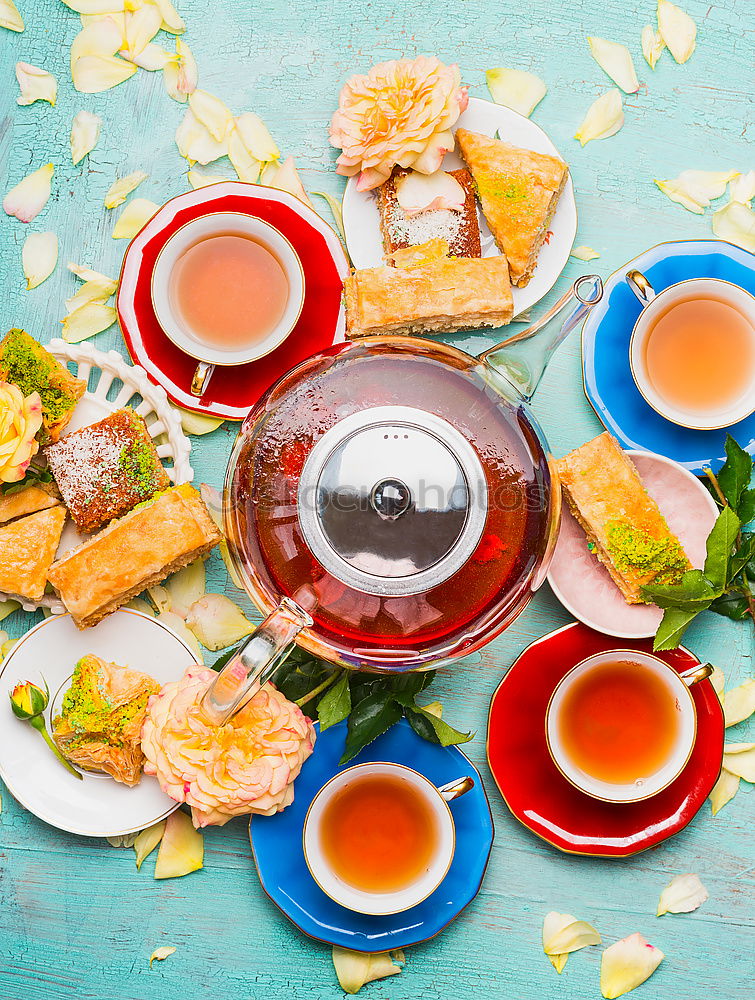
(20, 419)
(400, 113)
(246, 766)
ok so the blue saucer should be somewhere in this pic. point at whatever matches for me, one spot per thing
(277, 847)
(605, 353)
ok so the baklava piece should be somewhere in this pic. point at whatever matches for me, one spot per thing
(27, 550)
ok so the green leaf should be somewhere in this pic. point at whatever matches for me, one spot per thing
(718, 547)
(744, 554)
(732, 606)
(446, 735)
(368, 720)
(421, 725)
(673, 627)
(736, 472)
(746, 509)
(692, 593)
(412, 683)
(335, 704)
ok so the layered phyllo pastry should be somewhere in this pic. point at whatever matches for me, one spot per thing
(27, 364)
(155, 539)
(428, 291)
(518, 191)
(625, 529)
(104, 470)
(27, 550)
(415, 208)
(100, 723)
(27, 500)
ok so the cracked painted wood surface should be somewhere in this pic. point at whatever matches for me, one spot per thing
(76, 919)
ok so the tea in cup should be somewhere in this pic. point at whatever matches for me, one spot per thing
(692, 351)
(621, 725)
(379, 838)
(227, 289)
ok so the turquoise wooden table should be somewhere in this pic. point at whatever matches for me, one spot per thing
(76, 919)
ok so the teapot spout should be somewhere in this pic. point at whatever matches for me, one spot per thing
(523, 357)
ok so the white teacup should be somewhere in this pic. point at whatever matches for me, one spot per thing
(396, 901)
(654, 303)
(678, 686)
(173, 326)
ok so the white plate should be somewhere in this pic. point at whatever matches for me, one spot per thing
(584, 586)
(362, 221)
(114, 383)
(97, 806)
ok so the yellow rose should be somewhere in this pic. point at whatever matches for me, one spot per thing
(20, 420)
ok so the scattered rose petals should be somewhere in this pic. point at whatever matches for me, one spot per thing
(198, 423)
(562, 934)
(181, 848)
(615, 60)
(724, 790)
(584, 253)
(152, 57)
(355, 968)
(141, 27)
(133, 217)
(137, 604)
(212, 113)
(93, 74)
(122, 840)
(199, 178)
(96, 7)
(10, 17)
(7, 646)
(96, 288)
(246, 166)
(683, 894)
(516, 89)
(739, 759)
(335, 207)
(626, 964)
(742, 188)
(85, 131)
(178, 625)
(147, 841)
(91, 318)
(195, 142)
(695, 189)
(604, 118)
(172, 21)
(180, 75)
(739, 703)
(217, 622)
(27, 199)
(186, 587)
(677, 29)
(39, 257)
(101, 36)
(160, 598)
(718, 681)
(7, 608)
(120, 190)
(652, 45)
(286, 178)
(85, 273)
(735, 222)
(160, 954)
(256, 137)
(36, 84)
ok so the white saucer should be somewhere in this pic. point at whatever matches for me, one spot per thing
(362, 221)
(97, 806)
(583, 584)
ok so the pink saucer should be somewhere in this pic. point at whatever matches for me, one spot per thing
(582, 583)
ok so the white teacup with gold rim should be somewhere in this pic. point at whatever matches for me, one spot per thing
(379, 838)
(621, 725)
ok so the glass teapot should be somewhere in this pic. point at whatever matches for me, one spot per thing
(390, 504)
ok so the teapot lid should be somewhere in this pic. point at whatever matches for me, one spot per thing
(392, 500)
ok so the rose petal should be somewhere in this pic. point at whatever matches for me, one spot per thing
(724, 790)
(736, 223)
(677, 29)
(739, 758)
(39, 257)
(36, 84)
(100, 37)
(89, 319)
(695, 189)
(160, 598)
(516, 89)
(7, 608)
(180, 75)
(217, 622)
(152, 57)
(739, 703)
(96, 7)
(122, 840)
(626, 964)
(181, 848)
(336, 208)
(10, 17)
(160, 954)
(615, 60)
(195, 142)
(147, 841)
(98, 288)
(85, 131)
(286, 178)
(418, 193)
(199, 423)
(85, 273)
(93, 74)
(27, 199)
(212, 113)
(186, 587)
(134, 216)
(178, 625)
(742, 188)
(119, 190)
(735, 748)
(563, 933)
(172, 22)
(718, 681)
(137, 604)
(584, 253)
(141, 27)
(604, 118)
(199, 178)
(246, 166)
(652, 45)
(355, 968)
(683, 894)
(256, 137)
(6, 647)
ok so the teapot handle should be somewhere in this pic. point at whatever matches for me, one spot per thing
(255, 663)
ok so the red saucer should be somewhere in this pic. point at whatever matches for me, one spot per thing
(232, 391)
(543, 800)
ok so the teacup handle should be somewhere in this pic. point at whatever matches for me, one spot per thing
(641, 287)
(456, 788)
(695, 674)
(201, 378)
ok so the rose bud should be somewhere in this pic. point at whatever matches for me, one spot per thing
(28, 700)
